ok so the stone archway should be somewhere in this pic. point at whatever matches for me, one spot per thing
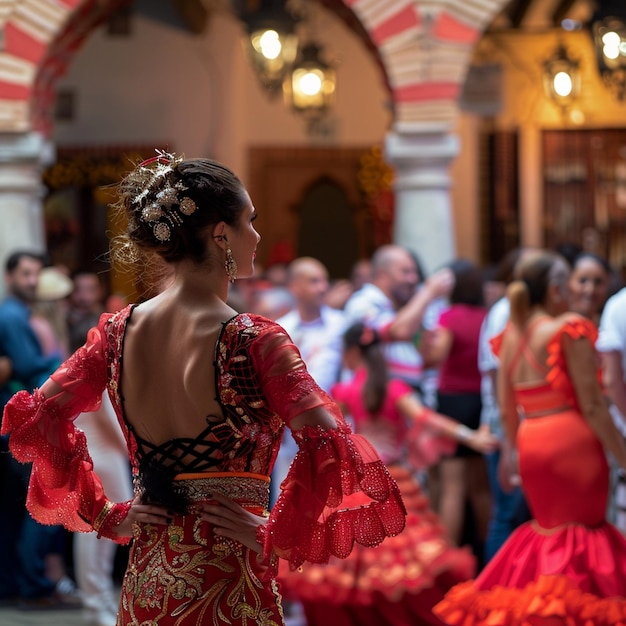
(424, 48)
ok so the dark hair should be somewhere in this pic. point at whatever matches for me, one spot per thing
(569, 251)
(421, 272)
(13, 260)
(468, 283)
(531, 287)
(369, 343)
(603, 263)
(216, 195)
(506, 267)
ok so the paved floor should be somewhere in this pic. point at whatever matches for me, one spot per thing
(15, 617)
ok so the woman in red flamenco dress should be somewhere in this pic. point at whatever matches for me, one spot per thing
(398, 582)
(202, 395)
(567, 566)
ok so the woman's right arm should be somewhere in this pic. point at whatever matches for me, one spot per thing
(63, 488)
(507, 471)
(506, 394)
(582, 363)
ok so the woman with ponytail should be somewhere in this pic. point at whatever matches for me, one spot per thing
(567, 565)
(399, 582)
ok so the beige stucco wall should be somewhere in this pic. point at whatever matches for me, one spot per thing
(199, 93)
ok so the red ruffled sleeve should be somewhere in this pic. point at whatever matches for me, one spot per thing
(558, 376)
(63, 487)
(337, 491)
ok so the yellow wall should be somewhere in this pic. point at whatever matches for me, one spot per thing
(527, 109)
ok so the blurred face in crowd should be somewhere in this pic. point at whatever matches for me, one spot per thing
(558, 287)
(22, 281)
(361, 274)
(308, 282)
(402, 277)
(588, 287)
(87, 294)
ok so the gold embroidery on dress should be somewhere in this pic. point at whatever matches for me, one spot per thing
(156, 576)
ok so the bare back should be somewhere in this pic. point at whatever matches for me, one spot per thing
(525, 351)
(168, 372)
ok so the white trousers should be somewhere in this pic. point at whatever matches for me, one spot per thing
(93, 557)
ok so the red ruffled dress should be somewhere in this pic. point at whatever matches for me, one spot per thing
(337, 493)
(568, 565)
(399, 581)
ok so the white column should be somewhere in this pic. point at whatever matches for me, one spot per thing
(421, 154)
(22, 159)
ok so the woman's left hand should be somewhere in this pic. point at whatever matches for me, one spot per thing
(231, 520)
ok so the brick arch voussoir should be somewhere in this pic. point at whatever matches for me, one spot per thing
(411, 36)
(40, 38)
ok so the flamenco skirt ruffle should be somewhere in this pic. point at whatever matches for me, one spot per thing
(570, 576)
(397, 582)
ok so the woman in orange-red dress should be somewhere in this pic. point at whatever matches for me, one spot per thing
(567, 566)
(398, 582)
(202, 395)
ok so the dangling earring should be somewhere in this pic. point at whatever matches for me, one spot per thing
(230, 265)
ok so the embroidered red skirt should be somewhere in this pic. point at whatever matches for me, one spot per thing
(181, 574)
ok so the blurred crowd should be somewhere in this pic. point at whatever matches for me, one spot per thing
(434, 332)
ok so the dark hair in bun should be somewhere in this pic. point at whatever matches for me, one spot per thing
(169, 202)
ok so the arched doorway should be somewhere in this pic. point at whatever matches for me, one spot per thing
(423, 50)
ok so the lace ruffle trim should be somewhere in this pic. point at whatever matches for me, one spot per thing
(39, 426)
(337, 492)
(63, 489)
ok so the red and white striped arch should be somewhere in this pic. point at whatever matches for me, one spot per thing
(37, 41)
(424, 47)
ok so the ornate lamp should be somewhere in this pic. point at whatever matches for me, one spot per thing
(310, 87)
(561, 78)
(271, 44)
(608, 29)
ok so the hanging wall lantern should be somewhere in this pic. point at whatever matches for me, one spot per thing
(310, 87)
(561, 78)
(271, 43)
(608, 29)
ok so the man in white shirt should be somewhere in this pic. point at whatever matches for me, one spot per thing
(315, 328)
(612, 346)
(317, 331)
(393, 305)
